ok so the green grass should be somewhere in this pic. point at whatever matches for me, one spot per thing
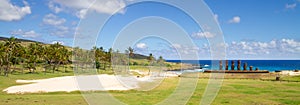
(43, 99)
(258, 92)
(142, 68)
(291, 78)
(233, 91)
(147, 97)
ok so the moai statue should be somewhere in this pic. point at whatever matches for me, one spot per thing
(220, 65)
(232, 65)
(251, 68)
(256, 69)
(226, 66)
(245, 66)
(239, 65)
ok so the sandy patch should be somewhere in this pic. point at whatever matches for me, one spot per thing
(75, 83)
(291, 73)
(157, 74)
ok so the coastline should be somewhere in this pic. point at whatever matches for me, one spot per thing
(270, 65)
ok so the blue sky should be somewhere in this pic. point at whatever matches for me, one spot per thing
(252, 29)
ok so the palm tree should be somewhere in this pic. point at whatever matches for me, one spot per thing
(160, 60)
(109, 58)
(102, 57)
(12, 53)
(60, 56)
(46, 56)
(6, 58)
(131, 50)
(97, 57)
(2, 54)
(65, 56)
(22, 57)
(53, 54)
(32, 55)
(77, 57)
(150, 60)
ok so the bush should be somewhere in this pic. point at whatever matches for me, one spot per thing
(146, 64)
(97, 64)
(168, 65)
(135, 63)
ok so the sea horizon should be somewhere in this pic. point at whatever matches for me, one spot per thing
(270, 65)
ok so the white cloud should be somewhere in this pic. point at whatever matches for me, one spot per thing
(185, 49)
(81, 13)
(141, 45)
(273, 47)
(81, 6)
(290, 6)
(216, 16)
(54, 7)
(60, 42)
(61, 31)
(289, 46)
(10, 12)
(52, 19)
(177, 46)
(249, 48)
(56, 25)
(200, 35)
(26, 34)
(235, 19)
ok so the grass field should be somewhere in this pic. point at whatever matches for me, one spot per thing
(233, 91)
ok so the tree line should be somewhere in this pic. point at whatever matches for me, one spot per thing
(35, 54)
(51, 57)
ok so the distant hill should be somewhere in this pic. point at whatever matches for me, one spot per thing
(21, 40)
(139, 56)
(135, 56)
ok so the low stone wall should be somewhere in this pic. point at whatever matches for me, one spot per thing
(241, 75)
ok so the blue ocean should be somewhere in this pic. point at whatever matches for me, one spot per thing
(270, 65)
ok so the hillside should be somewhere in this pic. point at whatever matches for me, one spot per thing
(139, 56)
(25, 42)
(21, 40)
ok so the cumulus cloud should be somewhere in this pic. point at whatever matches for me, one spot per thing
(61, 31)
(273, 47)
(10, 12)
(200, 35)
(248, 48)
(290, 6)
(60, 42)
(141, 45)
(56, 25)
(289, 45)
(54, 7)
(52, 19)
(216, 16)
(185, 49)
(26, 34)
(235, 19)
(81, 6)
(81, 13)
(177, 46)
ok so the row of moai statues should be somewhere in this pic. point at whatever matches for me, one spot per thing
(233, 66)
